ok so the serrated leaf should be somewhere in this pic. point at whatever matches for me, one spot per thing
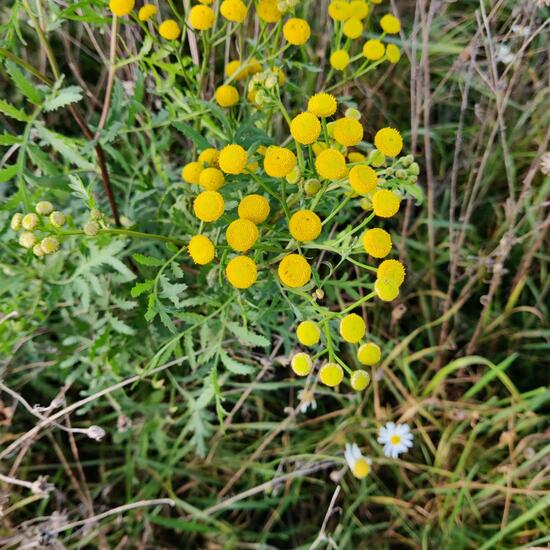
(65, 96)
(8, 173)
(247, 336)
(152, 310)
(171, 291)
(147, 260)
(140, 288)
(191, 134)
(13, 112)
(79, 189)
(235, 366)
(121, 326)
(166, 321)
(25, 86)
(8, 139)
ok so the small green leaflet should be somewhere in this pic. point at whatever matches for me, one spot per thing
(235, 366)
(248, 337)
(147, 260)
(140, 288)
(64, 97)
(13, 112)
(27, 88)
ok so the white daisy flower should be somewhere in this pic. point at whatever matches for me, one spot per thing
(396, 438)
(307, 400)
(358, 464)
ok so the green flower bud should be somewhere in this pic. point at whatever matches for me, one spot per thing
(95, 214)
(414, 169)
(30, 221)
(365, 203)
(294, 176)
(125, 221)
(38, 250)
(91, 228)
(401, 174)
(49, 245)
(353, 113)
(44, 208)
(16, 220)
(27, 239)
(312, 186)
(390, 171)
(57, 219)
(376, 158)
(413, 179)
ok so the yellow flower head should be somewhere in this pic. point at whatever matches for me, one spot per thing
(241, 235)
(322, 104)
(331, 374)
(390, 24)
(91, 228)
(330, 164)
(57, 219)
(211, 179)
(208, 206)
(27, 239)
(279, 161)
(386, 289)
(339, 60)
(44, 208)
(339, 10)
(360, 379)
(227, 96)
(388, 141)
(385, 203)
(352, 328)
(201, 18)
(268, 11)
(362, 179)
(393, 53)
(393, 270)
(49, 245)
(234, 69)
(241, 272)
(353, 28)
(305, 128)
(254, 208)
(201, 249)
(377, 242)
(359, 8)
(146, 12)
(253, 66)
(373, 49)
(232, 159)
(30, 221)
(355, 156)
(169, 29)
(16, 220)
(308, 333)
(369, 354)
(301, 364)
(37, 250)
(121, 7)
(281, 78)
(234, 10)
(294, 271)
(209, 156)
(305, 225)
(296, 31)
(347, 131)
(191, 172)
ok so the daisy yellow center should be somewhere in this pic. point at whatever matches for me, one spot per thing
(395, 439)
(361, 468)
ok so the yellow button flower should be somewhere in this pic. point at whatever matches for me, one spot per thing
(355, 156)
(347, 131)
(268, 11)
(390, 24)
(352, 328)
(121, 7)
(241, 272)
(339, 10)
(386, 289)
(305, 225)
(211, 179)
(369, 354)
(385, 203)
(227, 96)
(388, 141)
(353, 28)
(209, 156)
(16, 220)
(362, 179)
(235, 70)
(308, 333)
(254, 208)
(241, 235)
(234, 10)
(191, 172)
(359, 9)
(301, 364)
(44, 208)
(305, 128)
(393, 270)
(169, 29)
(296, 31)
(201, 249)
(57, 219)
(201, 18)
(339, 60)
(27, 239)
(360, 379)
(373, 50)
(330, 164)
(322, 104)
(208, 206)
(279, 161)
(49, 245)
(294, 271)
(30, 221)
(377, 242)
(393, 53)
(146, 12)
(331, 374)
(232, 159)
